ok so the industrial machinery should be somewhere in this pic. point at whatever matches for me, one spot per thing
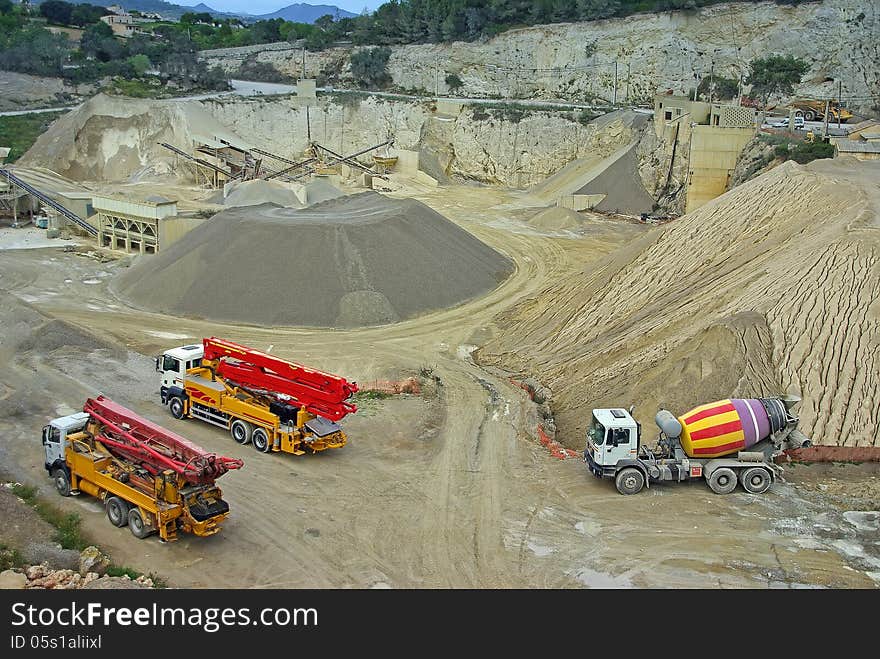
(814, 110)
(148, 478)
(277, 405)
(726, 442)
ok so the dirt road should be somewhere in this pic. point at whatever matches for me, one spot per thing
(446, 490)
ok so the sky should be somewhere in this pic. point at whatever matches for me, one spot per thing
(257, 7)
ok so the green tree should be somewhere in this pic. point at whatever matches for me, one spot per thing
(56, 11)
(98, 42)
(83, 15)
(139, 63)
(33, 49)
(722, 88)
(454, 82)
(318, 40)
(267, 31)
(6, 6)
(191, 18)
(775, 74)
(324, 22)
(369, 67)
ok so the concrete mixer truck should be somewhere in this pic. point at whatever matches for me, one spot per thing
(727, 442)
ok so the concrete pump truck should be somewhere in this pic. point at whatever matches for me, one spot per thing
(275, 404)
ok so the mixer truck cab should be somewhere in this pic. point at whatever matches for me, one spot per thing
(612, 440)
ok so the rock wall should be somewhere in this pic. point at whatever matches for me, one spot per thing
(491, 145)
(115, 139)
(672, 50)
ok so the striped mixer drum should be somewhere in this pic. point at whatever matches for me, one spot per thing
(727, 426)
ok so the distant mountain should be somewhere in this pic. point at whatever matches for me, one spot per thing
(303, 13)
(298, 13)
(166, 9)
(202, 7)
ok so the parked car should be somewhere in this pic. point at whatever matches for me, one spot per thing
(783, 123)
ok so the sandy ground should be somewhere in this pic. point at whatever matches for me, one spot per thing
(447, 490)
(770, 289)
(30, 238)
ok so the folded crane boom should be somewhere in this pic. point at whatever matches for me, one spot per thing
(274, 404)
(131, 437)
(322, 394)
(148, 478)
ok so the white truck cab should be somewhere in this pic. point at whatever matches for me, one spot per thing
(174, 363)
(613, 437)
(55, 437)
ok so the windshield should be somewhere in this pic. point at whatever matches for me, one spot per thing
(596, 432)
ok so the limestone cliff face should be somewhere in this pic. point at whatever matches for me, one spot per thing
(116, 139)
(516, 148)
(673, 50)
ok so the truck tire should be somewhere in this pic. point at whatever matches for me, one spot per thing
(176, 407)
(62, 481)
(241, 431)
(809, 115)
(756, 480)
(117, 511)
(722, 481)
(260, 438)
(136, 524)
(629, 480)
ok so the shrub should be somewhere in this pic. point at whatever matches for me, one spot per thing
(369, 67)
(806, 152)
(454, 82)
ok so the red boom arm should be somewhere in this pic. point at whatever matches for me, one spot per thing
(322, 394)
(132, 437)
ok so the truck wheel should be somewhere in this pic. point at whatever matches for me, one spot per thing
(629, 481)
(260, 438)
(62, 481)
(241, 431)
(117, 511)
(176, 407)
(136, 524)
(756, 480)
(809, 115)
(723, 480)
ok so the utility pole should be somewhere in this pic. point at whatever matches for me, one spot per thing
(739, 89)
(827, 110)
(628, 72)
(839, 101)
(304, 64)
(614, 97)
(711, 76)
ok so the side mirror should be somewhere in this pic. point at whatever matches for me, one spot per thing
(158, 359)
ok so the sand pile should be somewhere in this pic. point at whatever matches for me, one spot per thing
(113, 139)
(622, 186)
(317, 190)
(772, 288)
(358, 260)
(556, 219)
(616, 177)
(258, 191)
